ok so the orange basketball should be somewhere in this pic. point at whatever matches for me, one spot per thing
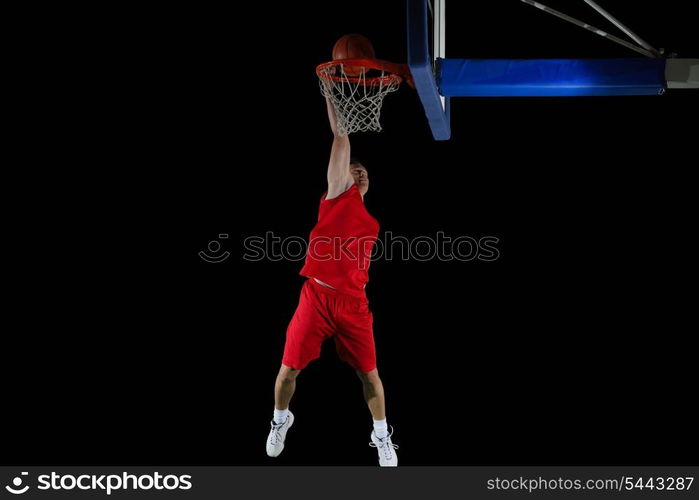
(353, 46)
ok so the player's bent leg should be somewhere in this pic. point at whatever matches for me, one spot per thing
(283, 419)
(285, 386)
(373, 393)
(380, 437)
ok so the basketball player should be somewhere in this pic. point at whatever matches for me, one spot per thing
(333, 302)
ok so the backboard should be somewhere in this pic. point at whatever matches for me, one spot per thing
(438, 78)
(426, 48)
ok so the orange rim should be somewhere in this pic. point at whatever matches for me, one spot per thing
(328, 70)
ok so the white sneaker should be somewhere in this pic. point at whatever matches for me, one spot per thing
(387, 455)
(277, 435)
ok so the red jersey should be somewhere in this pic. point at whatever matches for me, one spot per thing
(339, 249)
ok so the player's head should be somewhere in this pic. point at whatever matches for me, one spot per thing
(360, 175)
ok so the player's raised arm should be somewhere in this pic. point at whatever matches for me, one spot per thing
(339, 176)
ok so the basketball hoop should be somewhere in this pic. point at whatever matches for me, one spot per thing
(356, 88)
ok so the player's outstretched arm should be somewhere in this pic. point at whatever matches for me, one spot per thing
(339, 176)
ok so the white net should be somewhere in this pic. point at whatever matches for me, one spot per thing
(357, 100)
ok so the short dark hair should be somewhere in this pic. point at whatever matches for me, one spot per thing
(356, 161)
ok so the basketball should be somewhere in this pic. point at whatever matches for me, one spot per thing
(353, 46)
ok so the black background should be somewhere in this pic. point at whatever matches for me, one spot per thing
(571, 348)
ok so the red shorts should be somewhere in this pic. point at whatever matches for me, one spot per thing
(323, 313)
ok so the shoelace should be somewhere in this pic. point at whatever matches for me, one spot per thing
(386, 445)
(276, 435)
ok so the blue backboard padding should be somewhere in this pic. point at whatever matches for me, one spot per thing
(420, 62)
(550, 77)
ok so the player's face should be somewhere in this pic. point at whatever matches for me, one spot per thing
(361, 177)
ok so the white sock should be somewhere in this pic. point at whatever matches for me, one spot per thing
(280, 416)
(381, 428)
